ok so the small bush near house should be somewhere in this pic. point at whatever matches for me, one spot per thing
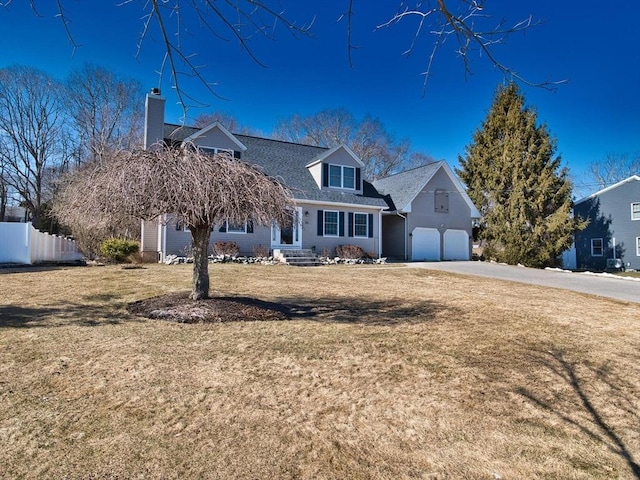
(118, 249)
(226, 248)
(325, 252)
(260, 251)
(351, 252)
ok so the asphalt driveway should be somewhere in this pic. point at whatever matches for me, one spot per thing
(611, 286)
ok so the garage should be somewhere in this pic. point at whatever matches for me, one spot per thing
(425, 244)
(456, 245)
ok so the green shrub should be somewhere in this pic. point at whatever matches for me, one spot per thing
(118, 249)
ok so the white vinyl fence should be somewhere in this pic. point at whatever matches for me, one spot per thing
(21, 243)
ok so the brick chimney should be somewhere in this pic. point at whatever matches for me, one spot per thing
(153, 119)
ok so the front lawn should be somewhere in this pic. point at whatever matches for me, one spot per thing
(380, 372)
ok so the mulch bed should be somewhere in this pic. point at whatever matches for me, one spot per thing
(178, 307)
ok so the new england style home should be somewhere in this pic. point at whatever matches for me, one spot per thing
(421, 214)
(611, 240)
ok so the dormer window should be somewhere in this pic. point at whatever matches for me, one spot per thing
(341, 176)
(214, 150)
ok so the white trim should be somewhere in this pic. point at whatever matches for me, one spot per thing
(215, 150)
(611, 187)
(162, 239)
(601, 254)
(333, 150)
(342, 167)
(324, 223)
(235, 232)
(353, 227)
(219, 126)
(637, 246)
(379, 234)
(297, 232)
(303, 201)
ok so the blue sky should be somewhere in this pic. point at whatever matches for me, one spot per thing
(594, 47)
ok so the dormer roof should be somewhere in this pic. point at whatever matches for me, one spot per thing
(328, 153)
(211, 128)
(289, 161)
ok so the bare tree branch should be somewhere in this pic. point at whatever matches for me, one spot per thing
(467, 33)
(614, 168)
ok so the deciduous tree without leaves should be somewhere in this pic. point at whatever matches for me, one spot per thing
(32, 134)
(200, 189)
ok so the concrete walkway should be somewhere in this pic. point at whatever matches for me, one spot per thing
(604, 285)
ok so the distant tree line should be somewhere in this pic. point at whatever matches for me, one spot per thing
(49, 126)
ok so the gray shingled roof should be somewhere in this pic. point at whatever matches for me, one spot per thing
(403, 187)
(288, 161)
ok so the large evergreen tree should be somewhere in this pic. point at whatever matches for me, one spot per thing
(515, 179)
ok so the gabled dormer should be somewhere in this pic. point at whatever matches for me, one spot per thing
(216, 139)
(338, 169)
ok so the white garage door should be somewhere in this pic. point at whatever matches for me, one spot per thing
(456, 245)
(425, 244)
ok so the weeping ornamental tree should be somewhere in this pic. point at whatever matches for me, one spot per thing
(200, 189)
(515, 179)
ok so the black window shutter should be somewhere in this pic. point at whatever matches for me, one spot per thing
(341, 224)
(223, 227)
(350, 224)
(250, 226)
(236, 154)
(320, 223)
(371, 225)
(325, 174)
(358, 179)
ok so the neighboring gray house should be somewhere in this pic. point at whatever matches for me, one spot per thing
(613, 234)
(333, 204)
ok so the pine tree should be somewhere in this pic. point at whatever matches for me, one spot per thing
(515, 179)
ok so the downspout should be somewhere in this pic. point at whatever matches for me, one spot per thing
(379, 233)
(406, 235)
(162, 238)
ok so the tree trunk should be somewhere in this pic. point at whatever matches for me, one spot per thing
(200, 236)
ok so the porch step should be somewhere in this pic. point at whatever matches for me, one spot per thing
(299, 258)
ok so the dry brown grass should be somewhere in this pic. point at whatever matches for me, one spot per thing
(381, 373)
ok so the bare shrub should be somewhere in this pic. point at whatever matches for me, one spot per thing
(351, 252)
(226, 248)
(260, 251)
(325, 252)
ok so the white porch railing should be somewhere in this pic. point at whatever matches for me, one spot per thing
(21, 243)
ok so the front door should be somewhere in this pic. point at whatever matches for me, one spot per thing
(290, 235)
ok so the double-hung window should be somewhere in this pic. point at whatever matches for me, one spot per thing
(638, 246)
(341, 176)
(597, 247)
(181, 227)
(236, 227)
(214, 150)
(635, 211)
(331, 223)
(360, 225)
